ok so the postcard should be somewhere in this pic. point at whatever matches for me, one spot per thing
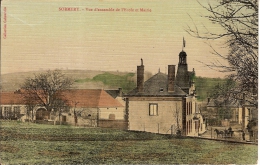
(129, 82)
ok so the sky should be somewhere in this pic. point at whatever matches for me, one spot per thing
(43, 34)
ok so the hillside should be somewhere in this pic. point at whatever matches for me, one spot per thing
(12, 81)
(204, 86)
(83, 79)
(89, 79)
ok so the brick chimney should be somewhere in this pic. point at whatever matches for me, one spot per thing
(140, 77)
(171, 78)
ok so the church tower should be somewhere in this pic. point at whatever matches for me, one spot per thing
(182, 77)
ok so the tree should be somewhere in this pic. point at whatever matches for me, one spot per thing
(45, 89)
(239, 22)
(29, 111)
(176, 114)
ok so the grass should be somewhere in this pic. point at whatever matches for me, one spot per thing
(23, 143)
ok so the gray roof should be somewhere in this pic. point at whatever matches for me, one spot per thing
(113, 93)
(158, 86)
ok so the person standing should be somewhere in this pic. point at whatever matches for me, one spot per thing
(243, 135)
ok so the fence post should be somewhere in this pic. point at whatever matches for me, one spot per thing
(211, 132)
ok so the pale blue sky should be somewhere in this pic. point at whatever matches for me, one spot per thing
(39, 36)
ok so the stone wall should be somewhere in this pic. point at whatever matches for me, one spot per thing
(119, 124)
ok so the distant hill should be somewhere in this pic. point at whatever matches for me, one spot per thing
(111, 80)
(12, 81)
(90, 79)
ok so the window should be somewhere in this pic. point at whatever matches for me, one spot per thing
(188, 108)
(7, 111)
(153, 109)
(17, 111)
(161, 89)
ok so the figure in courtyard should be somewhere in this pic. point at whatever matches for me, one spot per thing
(243, 135)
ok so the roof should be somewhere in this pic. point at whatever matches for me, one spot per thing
(8, 98)
(90, 98)
(114, 93)
(157, 86)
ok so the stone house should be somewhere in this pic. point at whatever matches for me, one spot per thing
(164, 103)
(83, 107)
(11, 106)
(94, 107)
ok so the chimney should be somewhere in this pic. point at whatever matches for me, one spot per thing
(140, 77)
(120, 92)
(171, 77)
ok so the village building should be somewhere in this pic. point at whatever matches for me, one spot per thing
(224, 112)
(165, 104)
(94, 107)
(11, 106)
(82, 107)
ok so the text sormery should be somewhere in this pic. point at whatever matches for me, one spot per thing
(104, 9)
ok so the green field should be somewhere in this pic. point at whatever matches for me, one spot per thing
(23, 143)
(124, 81)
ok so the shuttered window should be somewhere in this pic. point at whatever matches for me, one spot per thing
(153, 109)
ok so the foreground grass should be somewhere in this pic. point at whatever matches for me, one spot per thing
(46, 144)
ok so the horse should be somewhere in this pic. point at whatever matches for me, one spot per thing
(219, 132)
(228, 133)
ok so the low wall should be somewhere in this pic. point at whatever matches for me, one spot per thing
(50, 122)
(44, 122)
(120, 124)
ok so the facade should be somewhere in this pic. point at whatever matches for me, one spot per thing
(94, 107)
(83, 107)
(11, 106)
(159, 105)
(219, 109)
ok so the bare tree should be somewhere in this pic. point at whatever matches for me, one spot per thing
(45, 89)
(29, 110)
(75, 113)
(239, 21)
(176, 114)
(61, 105)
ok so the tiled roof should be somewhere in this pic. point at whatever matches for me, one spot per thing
(157, 86)
(8, 98)
(91, 98)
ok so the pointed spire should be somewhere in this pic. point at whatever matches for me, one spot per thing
(141, 61)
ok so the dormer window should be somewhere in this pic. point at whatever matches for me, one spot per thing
(161, 89)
